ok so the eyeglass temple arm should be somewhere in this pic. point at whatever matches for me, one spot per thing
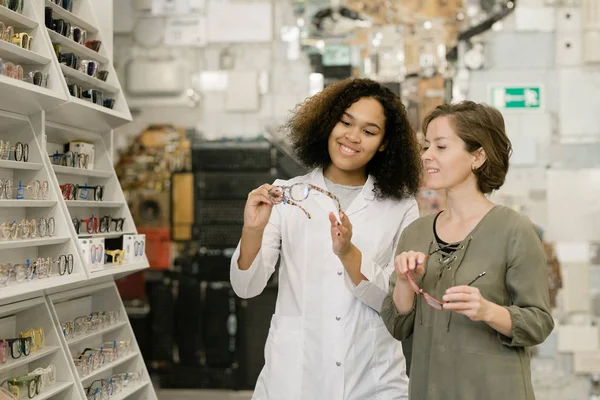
(292, 202)
(329, 194)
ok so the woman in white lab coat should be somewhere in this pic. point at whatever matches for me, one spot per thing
(326, 340)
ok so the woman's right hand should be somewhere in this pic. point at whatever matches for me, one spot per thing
(258, 208)
(410, 261)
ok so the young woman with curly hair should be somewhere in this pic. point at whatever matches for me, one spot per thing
(336, 231)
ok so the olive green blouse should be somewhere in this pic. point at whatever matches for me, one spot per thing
(452, 356)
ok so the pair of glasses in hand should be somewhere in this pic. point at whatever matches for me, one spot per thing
(299, 192)
(433, 302)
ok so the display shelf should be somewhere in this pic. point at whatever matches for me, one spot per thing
(59, 169)
(19, 55)
(36, 286)
(106, 235)
(28, 203)
(54, 390)
(59, 12)
(68, 305)
(21, 316)
(26, 98)
(93, 204)
(22, 243)
(112, 269)
(17, 20)
(74, 47)
(129, 391)
(24, 360)
(85, 115)
(107, 367)
(93, 335)
(31, 166)
(78, 77)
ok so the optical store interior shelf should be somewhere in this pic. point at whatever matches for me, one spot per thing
(17, 319)
(45, 119)
(79, 112)
(20, 96)
(69, 305)
(17, 130)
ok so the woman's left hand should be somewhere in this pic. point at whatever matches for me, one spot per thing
(341, 234)
(467, 300)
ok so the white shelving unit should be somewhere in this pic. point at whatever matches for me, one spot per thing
(46, 119)
(23, 97)
(17, 128)
(78, 112)
(67, 306)
(18, 318)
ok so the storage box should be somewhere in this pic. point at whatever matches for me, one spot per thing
(134, 247)
(93, 252)
(83, 148)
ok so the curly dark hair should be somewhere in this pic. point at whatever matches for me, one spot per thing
(397, 169)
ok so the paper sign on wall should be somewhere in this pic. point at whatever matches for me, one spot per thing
(170, 7)
(239, 22)
(187, 31)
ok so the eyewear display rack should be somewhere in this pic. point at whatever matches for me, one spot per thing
(42, 120)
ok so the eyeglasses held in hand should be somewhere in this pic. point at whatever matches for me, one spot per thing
(299, 192)
(433, 302)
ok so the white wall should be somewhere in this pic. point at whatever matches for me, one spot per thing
(287, 80)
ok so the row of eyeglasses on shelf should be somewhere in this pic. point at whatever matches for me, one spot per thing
(89, 323)
(102, 389)
(38, 189)
(90, 359)
(27, 342)
(28, 229)
(18, 152)
(29, 385)
(38, 269)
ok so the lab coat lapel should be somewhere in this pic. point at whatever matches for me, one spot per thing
(323, 201)
(361, 201)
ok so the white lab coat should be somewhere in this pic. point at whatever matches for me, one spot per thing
(326, 340)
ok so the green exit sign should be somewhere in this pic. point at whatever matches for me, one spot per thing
(516, 97)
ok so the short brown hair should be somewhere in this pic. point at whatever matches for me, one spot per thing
(397, 169)
(479, 126)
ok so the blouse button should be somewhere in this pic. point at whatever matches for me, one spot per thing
(339, 272)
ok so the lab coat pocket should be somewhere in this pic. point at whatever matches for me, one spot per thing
(284, 358)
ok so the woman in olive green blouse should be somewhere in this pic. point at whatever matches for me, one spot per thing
(470, 283)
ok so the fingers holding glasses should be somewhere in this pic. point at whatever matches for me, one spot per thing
(263, 194)
(409, 261)
(466, 300)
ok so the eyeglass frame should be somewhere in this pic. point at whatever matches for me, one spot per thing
(284, 195)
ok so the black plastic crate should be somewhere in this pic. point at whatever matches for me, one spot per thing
(228, 185)
(229, 156)
(219, 212)
(217, 235)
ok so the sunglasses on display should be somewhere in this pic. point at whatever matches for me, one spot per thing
(77, 35)
(297, 193)
(99, 225)
(85, 324)
(38, 78)
(138, 248)
(22, 40)
(14, 5)
(117, 256)
(66, 4)
(93, 45)
(65, 264)
(38, 338)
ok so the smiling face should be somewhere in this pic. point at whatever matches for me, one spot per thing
(357, 137)
(446, 161)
